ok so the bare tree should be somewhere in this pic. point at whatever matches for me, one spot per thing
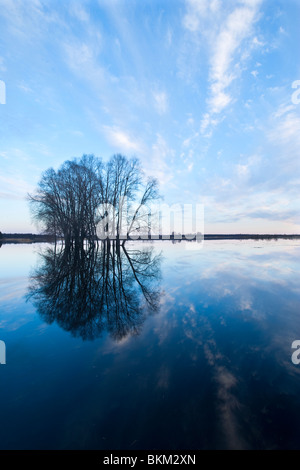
(128, 196)
(66, 200)
(141, 219)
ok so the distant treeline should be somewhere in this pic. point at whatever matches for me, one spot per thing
(250, 237)
(25, 238)
(35, 238)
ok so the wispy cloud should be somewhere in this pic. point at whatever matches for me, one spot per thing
(14, 187)
(286, 132)
(82, 59)
(226, 28)
(169, 37)
(287, 215)
(121, 140)
(28, 20)
(78, 11)
(160, 102)
(224, 65)
(198, 11)
(158, 160)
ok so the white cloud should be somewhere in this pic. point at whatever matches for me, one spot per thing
(160, 102)
(169, 37)
(282, 30)
(79, 12)
(207, 123)
(285, 136)
(28, 19)
(283, 110)
(82, 58)
(14, 187)
(242, 170)
(187, 142)
(219, 100)
(198, 10)
(257, 43)
(158, 160)
(223, 68)
(25, 88)
(226, 28)
(120, 140)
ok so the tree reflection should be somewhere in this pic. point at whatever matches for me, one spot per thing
(103, 288)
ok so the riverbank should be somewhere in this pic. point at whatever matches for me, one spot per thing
(25, 238)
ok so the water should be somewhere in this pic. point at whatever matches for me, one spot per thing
(157, 348)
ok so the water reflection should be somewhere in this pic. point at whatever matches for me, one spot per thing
(104, 288)
(212, 370)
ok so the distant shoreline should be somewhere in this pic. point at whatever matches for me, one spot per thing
(25, 238)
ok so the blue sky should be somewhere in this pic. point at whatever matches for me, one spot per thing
(199, 90)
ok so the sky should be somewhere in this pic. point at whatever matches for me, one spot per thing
(206, 93)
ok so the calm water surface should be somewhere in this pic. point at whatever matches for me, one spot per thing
(158, 347)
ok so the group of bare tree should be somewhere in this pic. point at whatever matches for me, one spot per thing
(85, 194)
